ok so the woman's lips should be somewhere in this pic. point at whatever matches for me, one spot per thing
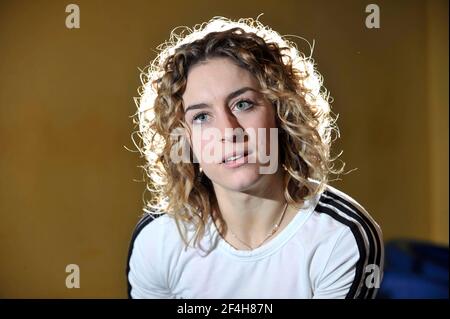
(237, 162)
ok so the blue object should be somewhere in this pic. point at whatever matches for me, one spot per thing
(415, 269)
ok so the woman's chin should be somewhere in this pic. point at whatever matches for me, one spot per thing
(239, 180)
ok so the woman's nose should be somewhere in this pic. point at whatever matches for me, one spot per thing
(230, 129)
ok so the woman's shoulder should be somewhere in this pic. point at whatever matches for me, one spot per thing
(149, 252)
(336, 209)
(345, 210)
(152, 226)
(355, 239)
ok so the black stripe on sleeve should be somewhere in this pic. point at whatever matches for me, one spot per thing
(360, 242)
(375, 245)
(373, 250)
(144, 221)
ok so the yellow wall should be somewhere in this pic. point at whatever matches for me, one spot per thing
(437, 90)
(67, 193)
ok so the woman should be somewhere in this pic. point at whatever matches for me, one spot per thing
(236, 131)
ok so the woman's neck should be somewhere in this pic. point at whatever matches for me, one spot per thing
(251, 215)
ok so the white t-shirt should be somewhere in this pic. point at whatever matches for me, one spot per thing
(332, 248)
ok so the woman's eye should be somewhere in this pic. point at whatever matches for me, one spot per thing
(199, 118)
(243, 105)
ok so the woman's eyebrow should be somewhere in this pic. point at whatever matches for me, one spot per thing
(227, 99)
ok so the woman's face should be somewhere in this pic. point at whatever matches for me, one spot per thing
(220, 97)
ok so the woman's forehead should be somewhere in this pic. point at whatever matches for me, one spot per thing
(215, 79)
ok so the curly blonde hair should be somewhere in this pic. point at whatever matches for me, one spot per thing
(288, 79)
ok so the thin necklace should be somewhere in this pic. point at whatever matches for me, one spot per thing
(274, 230)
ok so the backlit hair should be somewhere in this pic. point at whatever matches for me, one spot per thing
(288, 79)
